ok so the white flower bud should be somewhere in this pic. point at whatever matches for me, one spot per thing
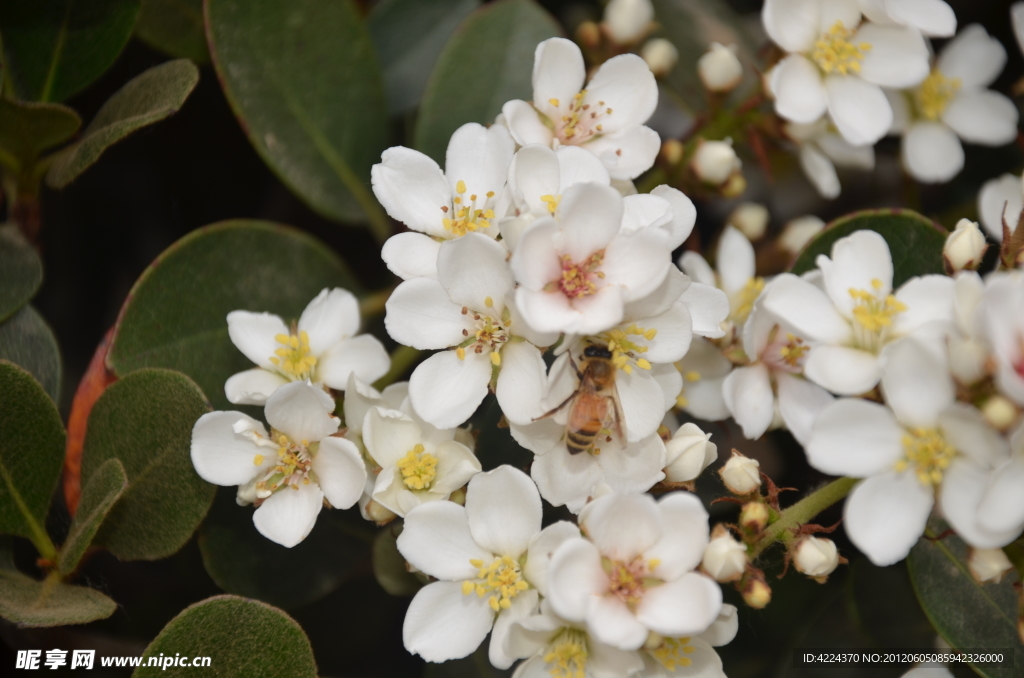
(988, 565)
(815, 557)
(719, 69)
(715, 161)
(246, 493)
(661, 56)
(725, 559)
(627, 20)
(757, 594)
(689, 452)
(968, 360)
(751, 219)
(965, 246)
(1000, 412)
(742, 475)
(754, 517)
(379, 514)
(799, 232)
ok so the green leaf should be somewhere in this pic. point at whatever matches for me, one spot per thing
(145, 421)
(389, 565)
(21, 271)
(28, 602)
(174, 27)
(31, 453)
(489, 61)
(54, 48)
(176, 315)
(967, 614)
(243, 638)
(147, 98)
(409, 36)
(241, 560)
(304, 82)
(28, 128)
(915, 241)
(104, 488)
(27, 341)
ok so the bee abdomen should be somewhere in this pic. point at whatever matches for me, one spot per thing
(580, 441)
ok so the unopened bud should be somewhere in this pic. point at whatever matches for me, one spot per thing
(968, 360)
(742, 475)
(799, 232)
(734, 187)
(964, 247)
(999, 412)
(754, 517)
(688, 452)
(379, 514)
(458, 496)
(661, 56)
(246, 493)
(757, 594)
(725, 559)
(815, 557)
(589, 34)
(719, 69)
(715, 161)
(672, 151)
(751, 219)
(988, 565)
(628, 20)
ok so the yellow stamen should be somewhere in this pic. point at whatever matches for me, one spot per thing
(502, 578)
(834, 53)
(934, 94)
(418, 468)
(567, 654)
(257, 460)
(293, 358)
(928, 453)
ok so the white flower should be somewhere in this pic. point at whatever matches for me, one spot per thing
(736, 273)
(418, 464)
(816, 557)
(822, 149)
(953, 101)
(715, 162)
(1017, 18)
(839, 65)
(690, 655)
(725, 559)
(751, 219)
(719, 68)
(969, 354)
(704, 370)
(988, 565)
(440, 205)
(577, 273)
(931, 17)
(688, 453)
(467, 309)
(661, 56)
(1002, 317)
(606, 118)
(741, 474)
(857, 315)
(798, 232)
(628, 20)
(1000, 197)
(287, 473)
(633, 574)
(965, 246)
(490, 559)
(323, 348)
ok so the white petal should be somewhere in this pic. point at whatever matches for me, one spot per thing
(843, 370)
(456, 464)
(966, 429)
(575, 578)
(800, 403)
(916, 384)
(590, 216)
(984, 117)
(846, 12)
(420, 314)
(221, 456)
(288, 515)
(684, 536)
(858, 260)
(479, 156)
(523, 605)
(807, 308)
(623, 526)
(627, 153)
(859, 109)
(521, 382)
(995, 196)
(565, 479)
(929, 302)
(332, 316)
(683, 607)
(708, 306)
(820, 171)
(799, 94)
(735, 258)
(363, 355)
(635, 468)
(931, 17)
(855, 438)
(684, 214)
(1002, 508)
(1017, 18)
(253, 334)
(673, 337)
(504, 510)
(792, 24)
(698, 268)
(747, 392)
(436, 539)
(389, 435)
(411, 255)
(577, 166)
(886, 514)
(723, 629)
(642, 403)
(534, 172)
(605, 661)
(964, 487)
(252, 387)
(638, 261)
(973, 57)
(472, 269)
(445, 390)
(302, 412)
(931, 152)
(626, 85)
(541, 549)
(341, 471)
(443, 624)
(558, 72)
(412, 189)
(898, 56)
(845, 154)
(644, 210)
(662, 298)
(611, 622)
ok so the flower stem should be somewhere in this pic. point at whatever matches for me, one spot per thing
(401, 358)
(373, 303)
(803, 511)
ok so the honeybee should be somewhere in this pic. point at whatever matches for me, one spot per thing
(594, 403)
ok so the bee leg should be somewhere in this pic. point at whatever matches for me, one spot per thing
(579, 375)
(555, 410)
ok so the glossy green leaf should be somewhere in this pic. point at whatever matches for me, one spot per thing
(103, 489)
(28, 342)
(409, 36)
(915, 241)
(28, 602)
(967, 614)
(21, 271)
(243, 638)
(304, 82)
(174, 27)
(241, 560)
(54, 48)
(488, 62)
(145, 421)
(31, 453)
(389, 566)
(176, 315)
(147, 98)
(28, 128)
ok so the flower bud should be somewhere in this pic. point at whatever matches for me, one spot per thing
(379, 514)
(719, 69)
(798, 232)
(742, 475)
(988, 565)
(628, 20)
(725, 559)
(757, 594)
(964, 247)
(754, 517)
(589, 34)
(715, 162)
(751, 219)
(968, 360)
(672, 151)
(689, 452)
(999, 412)
(815, 557)
(661, 56)
(735, 186)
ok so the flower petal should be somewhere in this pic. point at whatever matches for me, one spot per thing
(534, 172)
(252, 387)
(302, 412)
(931, 152)
(886, 514)
(819, 169)
(1002, 508)
(504, 510)
(634, 468)
(684, 214)
(525, 124)
(535, 261)
(792, 24)
(735, 260)
(984, 117)
(708, 306)
(684, 536)
(472, 270)
(623, 526)
(362, 355)
(642, 403)
(609, 621)
(411, 255)
(858, 260)
(288, 515)
(932, 17)
(340, 471)
(521, 382)
(558, 73)
(627, 153)
(523, 605)
(964, 490)
(966, 429)
(898, 56)
(223, 457)
(445, 390)
(748, 394)
(843, 370)
(859, 109)
(332, 316)
(412, 189)
(973, 57)
(674, 335)
(575, 578)
(420, 314)
(442, 623)
(807, 308)
(929, 302)
(799, 93)
(479, 156)
(683, 607)
(254, 335)
(389, 435)
(916, 384)
(565, 479)
(996, 195)
(854, 437)
(541, 549)
(590, 215)
(627, 87)
(800, 403)
(436, 539)
(638, 261)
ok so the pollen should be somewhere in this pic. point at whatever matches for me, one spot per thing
(577, 278)
(581, 122)
(554, 102)
(293, 359)
(495, 358)
(671, 653)
(873, 315)
(566, 656)
(834, 53)
(257, 460)
(461, 353)
(692, 376)
(488, 302)
(418, 468)
(551, 201)
(468, 216)
(500, 581)
(934, 94)
(626, 346)
(793, 351)
(927, 453)
(629, 581)
(742, 302)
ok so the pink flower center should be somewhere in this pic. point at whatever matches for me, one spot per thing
(582, 121)
(578, 279)
(629, 580)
